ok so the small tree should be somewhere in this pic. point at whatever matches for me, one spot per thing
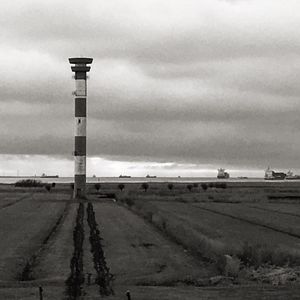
(48, 187)
(170, 186)
(211, 185)
(97, 186)
(121, 186)
(72, 186)
(189, 187)
(221, 185)
(204, 186)
(224, 185)
(53, 184)
(145, 186)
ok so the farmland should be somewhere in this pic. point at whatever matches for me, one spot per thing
(162, 242)
(24, 226)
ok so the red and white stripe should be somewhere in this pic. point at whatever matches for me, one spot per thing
(80, 93)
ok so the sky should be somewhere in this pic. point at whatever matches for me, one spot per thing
(178, 87)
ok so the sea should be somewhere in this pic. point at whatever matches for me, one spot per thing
(14, 179)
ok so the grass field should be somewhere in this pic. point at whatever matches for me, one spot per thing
(23, 227)
(8, 199)
(291, 209)
(276, 220)
(142, 256)
(213, 231)
(54, 263)
(161, 243)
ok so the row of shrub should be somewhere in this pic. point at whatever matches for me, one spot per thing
(104, 277)
(204, 186)
(145, 186)
(29, 183)
(34, 183)
(76, 277)
(190, 186)
(217, 185)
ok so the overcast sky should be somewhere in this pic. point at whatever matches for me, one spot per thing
(177, 87)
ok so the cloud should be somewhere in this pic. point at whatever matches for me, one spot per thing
(189, 82)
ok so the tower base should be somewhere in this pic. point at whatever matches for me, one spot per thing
(79, 186)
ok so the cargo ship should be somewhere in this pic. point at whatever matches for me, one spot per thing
(150, 176)
(49, 176)
(124, 176)
(291, 176)
(272, 175)
(222, 174)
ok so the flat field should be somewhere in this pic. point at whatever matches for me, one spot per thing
(8, 199)
(139, 254)
(161, 243)
(23, 227)
(218, 228)
(277, 219)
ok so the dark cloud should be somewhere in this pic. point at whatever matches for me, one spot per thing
(186, 81)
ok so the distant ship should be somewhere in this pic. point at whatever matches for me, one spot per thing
(222, 174)
(272, 175)
(124, 176)
(291, 176)
(150, 176)
(49, 176)
(242, 177)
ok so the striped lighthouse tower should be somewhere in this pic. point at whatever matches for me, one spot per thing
(79, 66)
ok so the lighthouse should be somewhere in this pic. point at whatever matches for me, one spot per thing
(80, 68)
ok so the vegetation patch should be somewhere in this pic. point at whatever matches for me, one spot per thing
(76, 278)
(258, 255)
(29, 183)
(104, 277)
(27, 273)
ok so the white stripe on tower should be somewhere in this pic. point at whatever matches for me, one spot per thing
(80, 126)
(80, 165)
(80, 87)
(80, 70)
